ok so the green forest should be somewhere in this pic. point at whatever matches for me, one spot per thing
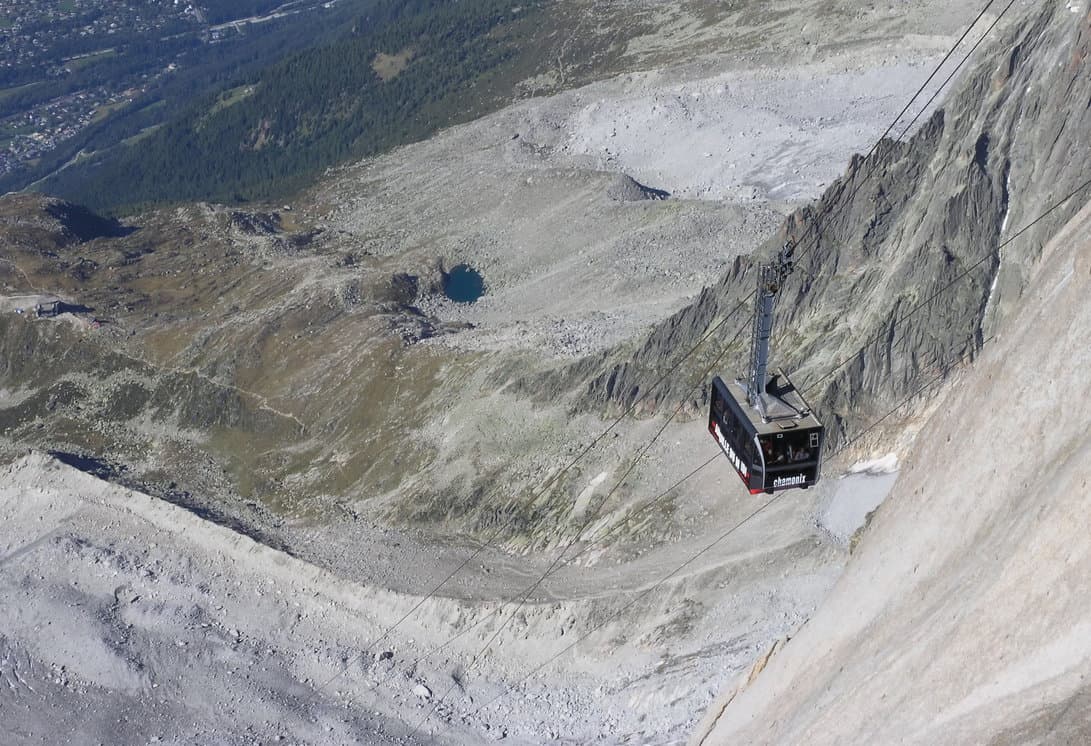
(267, 133)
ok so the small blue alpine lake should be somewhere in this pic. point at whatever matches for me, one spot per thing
(463, 284)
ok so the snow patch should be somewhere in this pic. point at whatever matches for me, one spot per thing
(996, 279)
(854, 498)
(887, 464)
(1003, 230)
(855, 495)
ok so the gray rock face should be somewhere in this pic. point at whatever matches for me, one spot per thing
(865, 319)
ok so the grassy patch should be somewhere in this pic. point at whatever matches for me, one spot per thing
(229, 98)
(84, 61)
(7, 93)
(246, 457)
(142, 134)
(106, 110)
(389, 66)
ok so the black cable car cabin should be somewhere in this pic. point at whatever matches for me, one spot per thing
(762, 424)
(779, 450)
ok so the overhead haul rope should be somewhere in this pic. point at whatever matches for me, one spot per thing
(720, 539)
(965, 59)
(720, 324)
(935, 72)
(588, 521)
(848, 444)
(923, 109)
(818, 233)
(950, 53)
(811, 247)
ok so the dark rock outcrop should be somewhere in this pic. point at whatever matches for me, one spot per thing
(627, 189)
(256, 223)
(51, 223)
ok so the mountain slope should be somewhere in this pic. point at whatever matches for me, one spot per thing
(298, 375)
(964, 616)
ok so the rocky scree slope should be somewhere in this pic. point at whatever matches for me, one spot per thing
(898, 227)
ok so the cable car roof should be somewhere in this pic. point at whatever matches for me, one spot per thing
(784, 409)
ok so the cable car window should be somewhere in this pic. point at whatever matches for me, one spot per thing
(782, 449)
(752, 455)
(732, 433)
(730, 427)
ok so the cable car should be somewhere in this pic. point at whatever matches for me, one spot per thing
(762, 424)
(770, 453)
